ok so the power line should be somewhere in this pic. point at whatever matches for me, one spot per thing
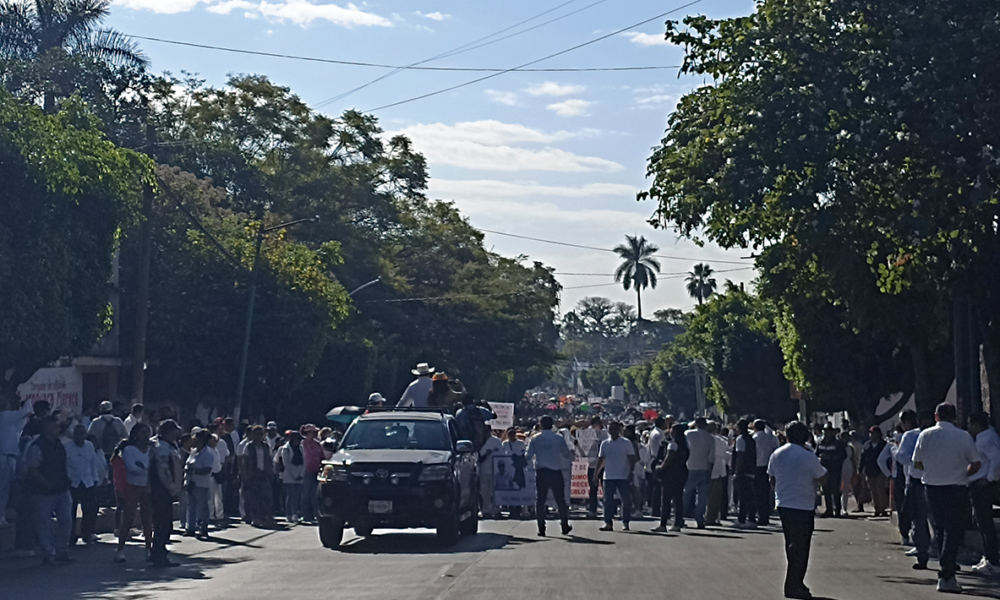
(399, 67)
(664, 275)
(664, 256)
(544, 58)
(463, 48)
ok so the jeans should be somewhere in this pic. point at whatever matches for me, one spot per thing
(949, 504)
(86, 498)
(8, 467)
(620, 486)
(831, 490)
(310, 508)
(547, 480)
(654, 493)
(762, 494)
(879, 487)
(293, 501)
(592, 497)
(162, 504)
(916, 508)
(47, 505)
(748, 503)
(797, 527)
(699, 482)
(672, 490)
(197, 509)
(984, 494)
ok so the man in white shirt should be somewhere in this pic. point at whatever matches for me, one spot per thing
(419, 389)
(717, 493)
(550, 454)
(133, 418)
(12, 419)
(767, 443)
(915, 510)
(795, 472)
(656, 438)
(701, 445)
(597, 430)
(615, 460)
(487, 482)
(81, 464)
(947, 455)
(983, 488)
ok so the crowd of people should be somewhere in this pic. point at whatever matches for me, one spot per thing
(55, 466)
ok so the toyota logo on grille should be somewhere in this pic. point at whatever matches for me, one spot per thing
(382, 473)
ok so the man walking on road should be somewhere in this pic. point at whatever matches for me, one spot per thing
(616, 459)
(656, 438)
(550, 453)
(983, 488)
(795, 472)
(701, 444)
(767, 443)
(48, 482)
(874, 476)
(82, 465)
(597, 427)
(745, 467)
(947, 455)
(915, 506)
(166, 480)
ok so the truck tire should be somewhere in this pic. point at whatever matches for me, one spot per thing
(331, 532)
(470, 526)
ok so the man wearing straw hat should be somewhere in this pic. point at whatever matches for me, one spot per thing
(416, 393)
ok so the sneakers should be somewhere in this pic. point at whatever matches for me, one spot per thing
(949, 586)
(675, 528)
(566, 529)
(607, 527)
(911, 552)
(625, 527)
(747, 525)
(986, 568)
(659, 529)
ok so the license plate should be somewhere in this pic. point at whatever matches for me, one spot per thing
(380, 507)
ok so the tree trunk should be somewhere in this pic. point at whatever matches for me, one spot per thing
(991, 360)
(921, 377)
(638, 295)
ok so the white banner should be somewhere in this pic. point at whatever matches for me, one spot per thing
(61, 387)
(514, 481)
(505, 415)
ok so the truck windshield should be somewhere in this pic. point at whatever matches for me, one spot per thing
(380, 434)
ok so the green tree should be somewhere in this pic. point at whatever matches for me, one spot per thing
(638, 268)
(700, 283)
(55, 36)
(68, 195)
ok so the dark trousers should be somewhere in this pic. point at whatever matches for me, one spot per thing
(748, 504)
(86, 499)
(983, 495)
(672, 490)
(949, 504)
(592, 498)
(654, 493)
(762, 494)
(901, 498)
(547, 480)
(831, 491)
(163, 522)
(916, 509)
(724, 510)
(797, 526)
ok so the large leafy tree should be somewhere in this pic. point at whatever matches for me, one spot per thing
(45, 46)
(853, 143)
(68, 195)
(638, 269)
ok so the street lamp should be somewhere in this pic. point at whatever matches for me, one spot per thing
(370, 283)
(261, 232)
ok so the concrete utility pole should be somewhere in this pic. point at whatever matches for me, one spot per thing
(142, 296)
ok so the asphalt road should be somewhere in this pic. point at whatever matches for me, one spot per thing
(852, 560)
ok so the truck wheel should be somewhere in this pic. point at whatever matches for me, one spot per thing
(447, 531)
(331, 532)
(470, 526)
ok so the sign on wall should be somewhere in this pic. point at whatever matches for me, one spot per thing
(61, 387)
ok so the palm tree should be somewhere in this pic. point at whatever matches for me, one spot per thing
(700, 283)
(639, 268)
(42, 30)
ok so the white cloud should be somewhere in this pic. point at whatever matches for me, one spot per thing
(655, 97)
(508, 98)
(488, 145)
(302, 12)
(646, 39)
(551, 88)
(489, 188)
(571, 108)
(434, 16)
(161, 6)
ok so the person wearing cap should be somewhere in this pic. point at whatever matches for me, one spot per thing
(108, 429)
(376, 400)
(417, 392)
(874, 475)
(271, 437)
(166, 481)
(312, 452)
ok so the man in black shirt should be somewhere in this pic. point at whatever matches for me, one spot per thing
(873, 473)
(48, 483)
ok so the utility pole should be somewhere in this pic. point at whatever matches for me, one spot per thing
(967, 384)
(142, 294)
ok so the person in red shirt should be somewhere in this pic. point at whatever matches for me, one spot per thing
(312, 454)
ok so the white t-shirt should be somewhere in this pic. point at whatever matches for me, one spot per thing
(416, 393)
(11, 424)
(946, 453)
(795, 471)
(515, 448)
(492, 447)
(615, 454)
(198, 461)
(136, 466)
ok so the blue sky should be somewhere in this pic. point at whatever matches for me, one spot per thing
(558, 156)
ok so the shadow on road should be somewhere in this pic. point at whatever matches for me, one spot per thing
(94, 575)
(971, 585)
(427, 543)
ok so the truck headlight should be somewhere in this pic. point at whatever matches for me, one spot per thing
(336, 473)
(435, 473)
